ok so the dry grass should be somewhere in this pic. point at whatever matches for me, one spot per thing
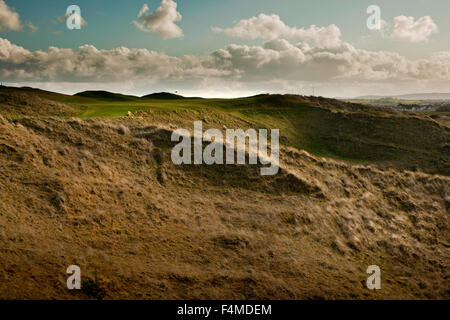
(104, 194)
(19, 103)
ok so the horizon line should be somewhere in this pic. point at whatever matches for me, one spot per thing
(376, 96)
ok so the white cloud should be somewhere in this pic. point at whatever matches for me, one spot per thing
(442, 55)
(272, 27)
(407, 29)
(9, 19)
(161, 21)
(277, 65)
(87, 63)
(279, 59)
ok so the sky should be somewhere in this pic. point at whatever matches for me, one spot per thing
(227, 48)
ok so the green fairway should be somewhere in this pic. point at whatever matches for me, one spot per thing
(102, 109)
(110, 110)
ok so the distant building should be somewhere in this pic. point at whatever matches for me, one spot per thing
(414, 107)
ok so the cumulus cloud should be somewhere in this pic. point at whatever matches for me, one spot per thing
(272, 27)
(275, 64)
(87, 63)
(161, 21)
(411, 30)
(282, 60)
(9, 19)
(442, 55)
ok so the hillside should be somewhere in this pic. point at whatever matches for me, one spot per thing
(16, 102)
(106, 96)
(101, 192)
(324, 127)
(163, 96)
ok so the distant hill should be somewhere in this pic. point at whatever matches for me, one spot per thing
(163, 96)
(37, 92)
(412, 96)
(105, 95)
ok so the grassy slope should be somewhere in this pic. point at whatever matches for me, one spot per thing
(102, 193)
(414, 142)
(324, 127)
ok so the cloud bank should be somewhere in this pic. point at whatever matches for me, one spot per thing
(161, 21)
(276, 61)
(272, 27)
(411, 30)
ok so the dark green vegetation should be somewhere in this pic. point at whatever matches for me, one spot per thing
(324, 127)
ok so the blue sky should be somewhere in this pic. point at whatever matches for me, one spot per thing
(110, 22)
(109, 25)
